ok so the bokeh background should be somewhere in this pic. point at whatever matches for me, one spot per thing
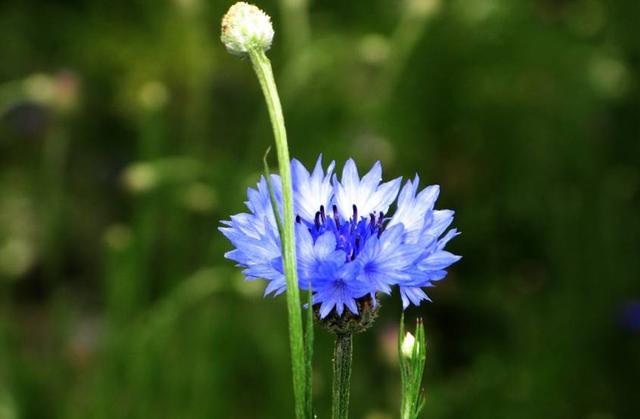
(127, 133)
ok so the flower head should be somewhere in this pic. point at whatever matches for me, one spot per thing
(348, 247)
(246, 27)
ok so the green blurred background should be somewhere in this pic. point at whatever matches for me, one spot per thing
(127, 133)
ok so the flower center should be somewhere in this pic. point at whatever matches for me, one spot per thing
(352, 234)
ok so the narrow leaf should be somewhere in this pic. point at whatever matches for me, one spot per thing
(272, 195)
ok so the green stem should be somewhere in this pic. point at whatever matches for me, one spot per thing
(342, 376)
(262, 67)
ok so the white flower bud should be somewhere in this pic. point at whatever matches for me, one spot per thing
(245, 27)
(408, 343)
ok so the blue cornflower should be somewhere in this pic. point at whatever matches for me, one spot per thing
(348, 247)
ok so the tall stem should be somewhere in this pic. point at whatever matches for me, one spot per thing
(262, 67)
(342, 376)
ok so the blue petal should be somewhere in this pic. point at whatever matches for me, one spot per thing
(311, 190)
(387, 260)
(412, 295)
(441, 220)
(338, 286)
(367, 195)
(414, 212)
(447, 237)
(439, 260)
(276, 287)
(313, 258)
(350, 178)
(371, 180)
(382, 199)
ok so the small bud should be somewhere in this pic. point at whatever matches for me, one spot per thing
(245, 27)
(408, 345)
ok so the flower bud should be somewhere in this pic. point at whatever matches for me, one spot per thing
(245, 27)
(408, 345)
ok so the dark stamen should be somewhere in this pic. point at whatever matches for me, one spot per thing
(336, 219)
(380, 224)
(355, 213)
(322, 214)
(317, 220)
(298, 219)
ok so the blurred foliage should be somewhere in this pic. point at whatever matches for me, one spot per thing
(127, 133)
